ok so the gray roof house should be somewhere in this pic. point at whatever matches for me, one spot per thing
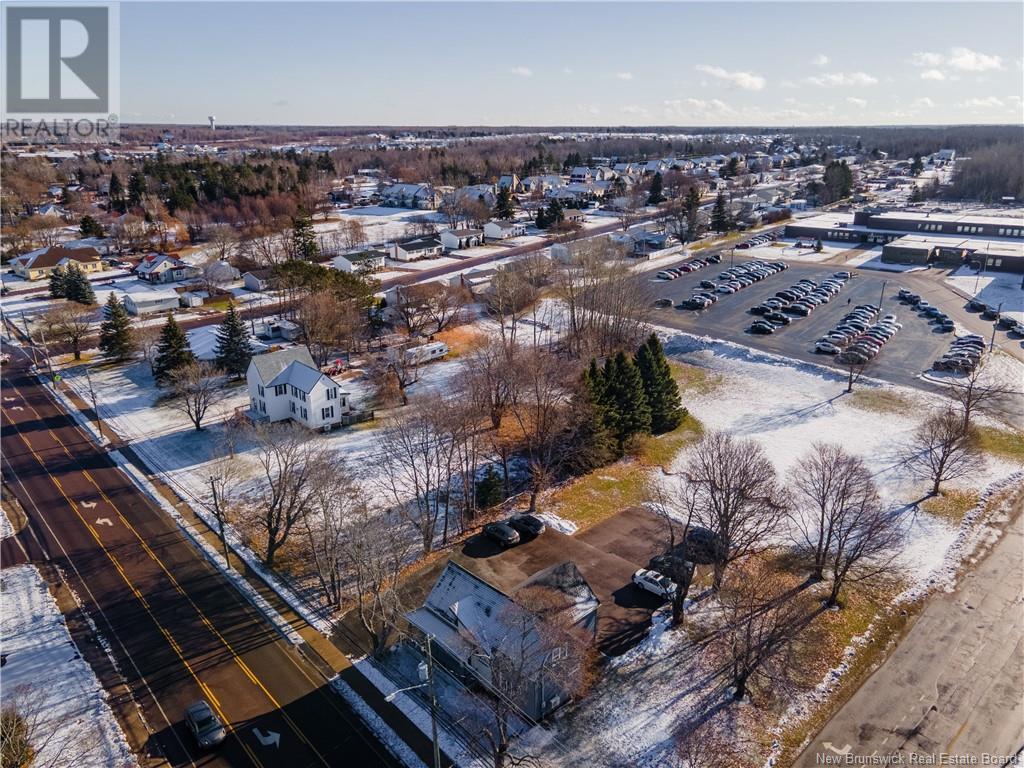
(515, 643)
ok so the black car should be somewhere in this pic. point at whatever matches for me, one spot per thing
(1006, 322)
(932, 312)
(708, 284)
(714, 258)
(691, 303)
(527, 526)
(762, 327)
(777, 318)
(946, 325)
(502, 533)
(798, 309)
(975, 305)
(761, 309)
(990, 312)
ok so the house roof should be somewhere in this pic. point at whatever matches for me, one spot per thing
(56, 255)
(355, 258)
(299, 375)
(154, 261)
(260, 274)
(269, 366)
(574, 592)
(465, 232)
(420, 244)
(150, 297)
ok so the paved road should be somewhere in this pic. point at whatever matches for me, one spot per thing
(901, 361)
(954, 685)
(178, 629)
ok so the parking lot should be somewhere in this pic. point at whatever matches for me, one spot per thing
(911, 350)
(634, 535)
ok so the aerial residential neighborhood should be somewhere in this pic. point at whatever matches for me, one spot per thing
(441, 386)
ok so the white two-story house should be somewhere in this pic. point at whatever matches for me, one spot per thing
(287, 385)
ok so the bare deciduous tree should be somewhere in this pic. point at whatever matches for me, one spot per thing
(865, 539)
(353, 233)
(737, 497)
(942, 449)
(980, 392)
(293, 464)
(376, 555)
(491, 373)
(829, 483)
(195, 388)
(70, 324)
(30, 734)
(762, 615)
(334, 507)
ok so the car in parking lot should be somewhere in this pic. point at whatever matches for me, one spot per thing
(827, 347)
(527, 526)
(663, 302)
(801, 310)
(502, 534)
(655, 583)
(204, 725)
(842, 274)
(976, 305)
(666, 275)
(777, 318)
(761, 327)
(707, 284)
(946, 325)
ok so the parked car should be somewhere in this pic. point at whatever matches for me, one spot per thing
(527, 526)
(976, 305)
(502, 534)
(708, 284)
(655, 583)
(761, 327)
(826, 348)
(777, 318)
(204, 724)
(663, 302)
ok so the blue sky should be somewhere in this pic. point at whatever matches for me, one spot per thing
(536, 63)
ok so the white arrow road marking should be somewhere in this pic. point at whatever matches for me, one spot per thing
(104, 521)
(10, 399)
(831, 748)
(268, 738)
(88, 504)
(16, 408)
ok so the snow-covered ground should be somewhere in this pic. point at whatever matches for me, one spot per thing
(873, 260)
(422, 264)
(786, 249)
(636, 709)
(50, 684)
(382, 225)
(993, 288)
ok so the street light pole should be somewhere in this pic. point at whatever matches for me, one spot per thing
(995, 323)
(882, 295)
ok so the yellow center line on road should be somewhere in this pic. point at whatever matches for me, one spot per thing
(174, 645)
(206, 622)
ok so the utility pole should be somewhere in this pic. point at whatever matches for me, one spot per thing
(995, 323)
(433, 702)
(95, 406)
(882, 295)
(220, 521)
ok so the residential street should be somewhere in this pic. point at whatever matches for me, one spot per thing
(954, 684)
(179, 630)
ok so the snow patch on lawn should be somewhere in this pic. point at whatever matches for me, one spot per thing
(560, 524)
(49, 681)
(992, 288)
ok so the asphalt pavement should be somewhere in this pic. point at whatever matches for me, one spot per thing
(901, 361)
(178, 629)
(953, 686)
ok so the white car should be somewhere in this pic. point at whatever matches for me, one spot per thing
(655, 583)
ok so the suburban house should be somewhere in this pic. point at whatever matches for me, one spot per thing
(147, 302)
(482, 192)
(480, 632)
(164, 268)
(409, 196)
(38, 264)
(502, 230)
(287, 385)
(574, 215)
(531, 184)
(417, 248)
(456, 239)
(363, 262)
(257, 280)
(510, 182)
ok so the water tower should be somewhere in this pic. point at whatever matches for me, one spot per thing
(213, 121)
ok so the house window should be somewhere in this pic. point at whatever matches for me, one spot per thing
(332, 394)
(302, 396)
(291, 406)
(260, 388)
(327, 413)
(281, 389)
(305, 415)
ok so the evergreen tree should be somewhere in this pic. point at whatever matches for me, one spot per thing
(916, 195)
(233, 350)
(542, 218)
(490, 490)
(89, 227)
(655, 194)
(818, 246)
(136, 189)
(719, 215)
(172, 351)
(504, 208)
(304, 238)
(623, 396)
(838, 180)
(588, 441)
(660, 387)
(77, 286)
(116, 340)
(556, 214)
(58, 283)
(916, 166)
(116, 193)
